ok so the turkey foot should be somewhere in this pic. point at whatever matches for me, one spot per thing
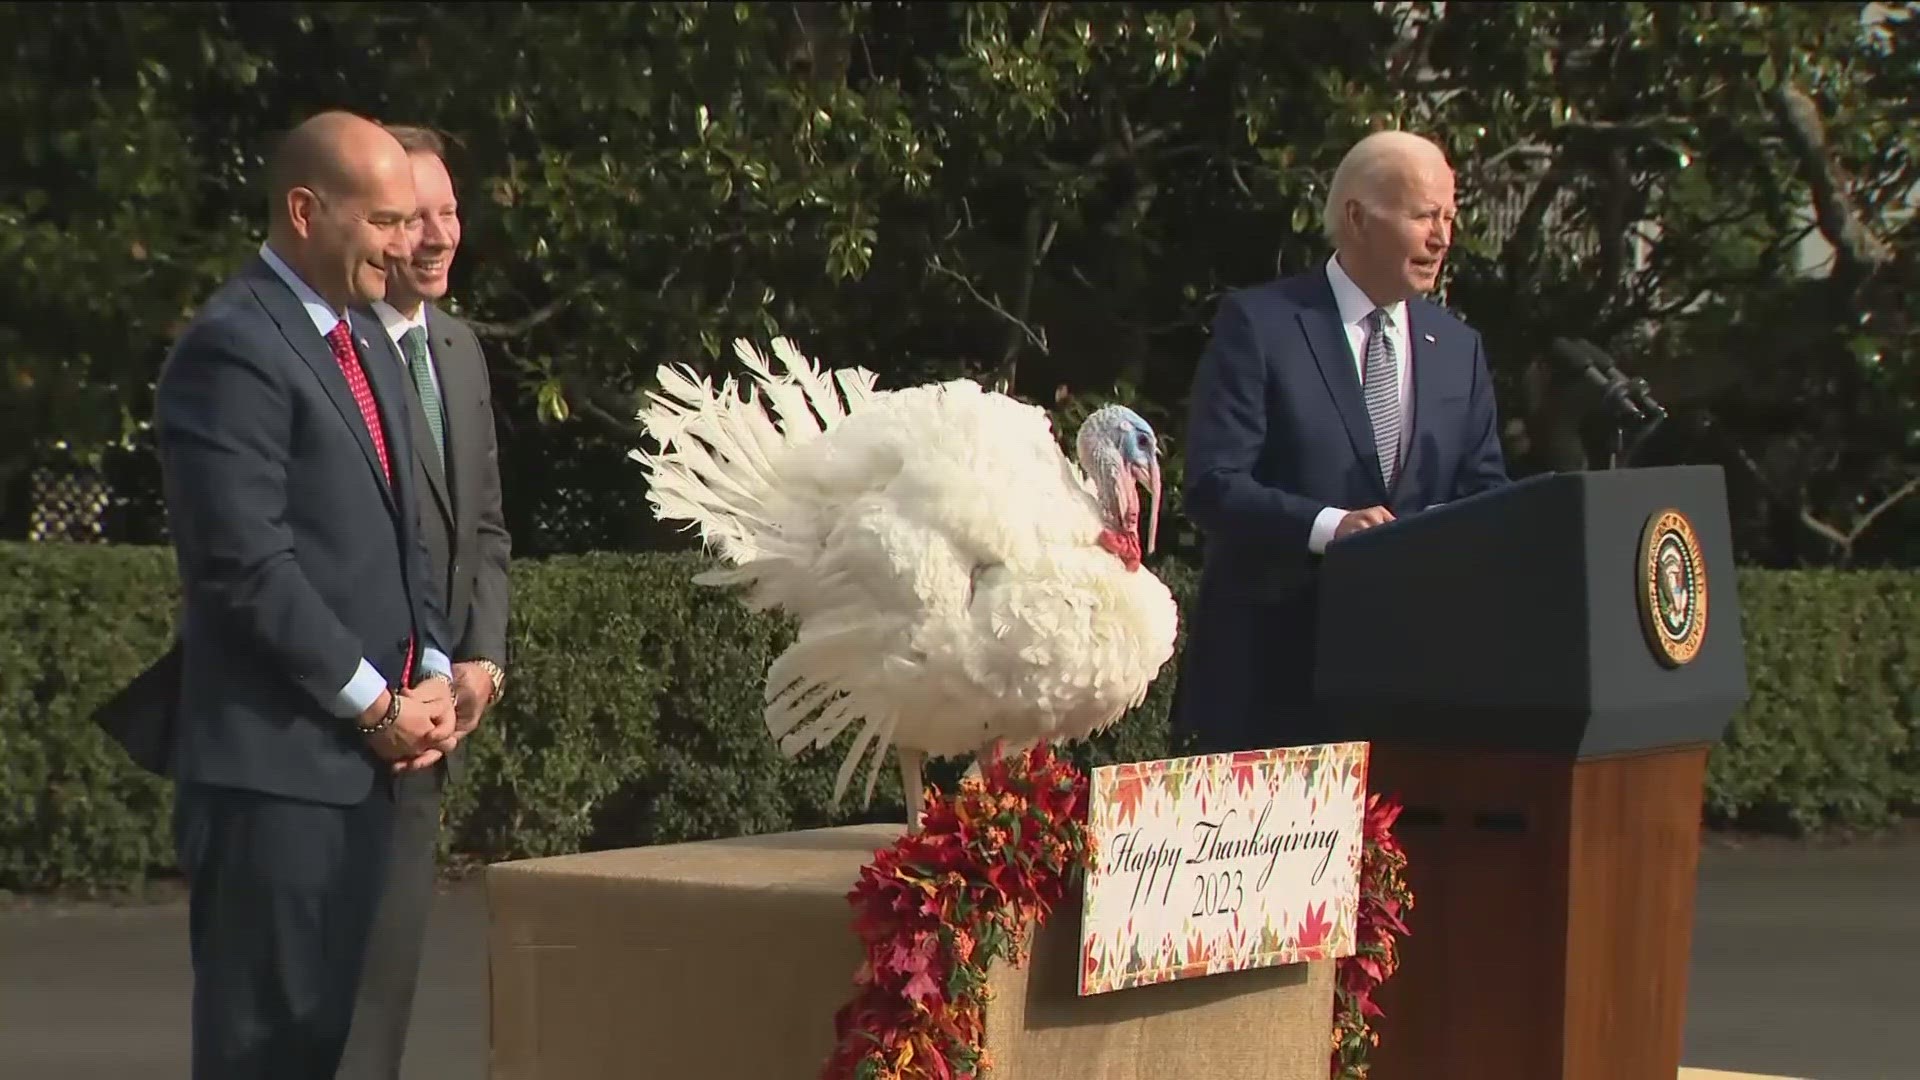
(910, 765)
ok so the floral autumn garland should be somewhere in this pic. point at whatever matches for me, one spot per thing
(935, 910)
(938, 907)
(1384, 902)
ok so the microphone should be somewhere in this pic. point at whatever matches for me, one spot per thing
(1642, 396)
(1628, 401)
(1585, 361)
(1638, 391)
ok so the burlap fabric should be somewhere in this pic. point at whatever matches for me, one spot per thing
(727, 959)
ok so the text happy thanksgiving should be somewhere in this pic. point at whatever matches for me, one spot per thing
(1153, 862)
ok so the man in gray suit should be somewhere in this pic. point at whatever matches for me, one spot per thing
(457, 469)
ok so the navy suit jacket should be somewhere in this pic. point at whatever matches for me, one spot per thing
(297, 559)
(1277, 431)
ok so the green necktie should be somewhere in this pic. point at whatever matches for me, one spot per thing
(414, 344)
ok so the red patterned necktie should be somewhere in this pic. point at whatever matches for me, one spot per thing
(343, 352)
(349, 359)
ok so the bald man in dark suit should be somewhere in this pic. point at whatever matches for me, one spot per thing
(311, 668)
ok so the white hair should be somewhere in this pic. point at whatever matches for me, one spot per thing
(1361, 173)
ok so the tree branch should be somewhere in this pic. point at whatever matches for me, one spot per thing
(1616, 214)
(1038, 338)
(1774, 493)
(1639, 127)
(1857, 248)
(1843, 541)
(1866, 520)
(1128, 146)
(609, 424)
(1033, 248)
(1233, 170)
(1642, 306)
(1529, 150)
(1518, 251)
(520, 327)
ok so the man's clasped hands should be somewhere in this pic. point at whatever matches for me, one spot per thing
(416, 728)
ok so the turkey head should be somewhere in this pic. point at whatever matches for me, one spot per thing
(1118, 451)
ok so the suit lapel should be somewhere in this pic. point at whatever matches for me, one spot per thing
(1328, 341)
(380, 360)
(1425, 364)
(458, 393)
(287, 313)
(436, 469)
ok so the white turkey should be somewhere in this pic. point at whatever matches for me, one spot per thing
(956, 580)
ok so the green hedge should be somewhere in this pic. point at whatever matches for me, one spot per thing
(1831, 733)
(633, 715)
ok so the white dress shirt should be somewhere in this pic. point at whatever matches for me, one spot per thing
(1354, 310)
(322, 313)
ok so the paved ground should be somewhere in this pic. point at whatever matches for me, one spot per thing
(1803, 966)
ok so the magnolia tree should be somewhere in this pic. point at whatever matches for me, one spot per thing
(1048, 197)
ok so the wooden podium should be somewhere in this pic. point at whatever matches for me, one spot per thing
(1541, 671)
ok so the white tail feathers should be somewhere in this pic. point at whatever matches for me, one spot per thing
(719, 462)
(720, 467)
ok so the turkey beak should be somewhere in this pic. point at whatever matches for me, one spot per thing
(1153, 489)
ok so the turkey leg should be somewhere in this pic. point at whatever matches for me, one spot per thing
(910, 764)
(1007, 750)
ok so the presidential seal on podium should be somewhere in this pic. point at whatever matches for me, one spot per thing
(1673, 588)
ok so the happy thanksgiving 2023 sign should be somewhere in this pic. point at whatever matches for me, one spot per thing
(1222, 862)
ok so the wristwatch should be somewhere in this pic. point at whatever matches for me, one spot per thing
(495, 675)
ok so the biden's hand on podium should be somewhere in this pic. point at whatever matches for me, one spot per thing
(1357, 520)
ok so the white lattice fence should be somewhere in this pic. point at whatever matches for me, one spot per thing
(67, 504)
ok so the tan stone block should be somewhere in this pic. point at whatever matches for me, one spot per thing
(727, 959)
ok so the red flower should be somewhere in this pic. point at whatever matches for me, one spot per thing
(1384, 899)
(936, 908)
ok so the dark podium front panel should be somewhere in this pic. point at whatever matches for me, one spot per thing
(1512, 620)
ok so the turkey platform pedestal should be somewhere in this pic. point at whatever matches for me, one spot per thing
(727, 959)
